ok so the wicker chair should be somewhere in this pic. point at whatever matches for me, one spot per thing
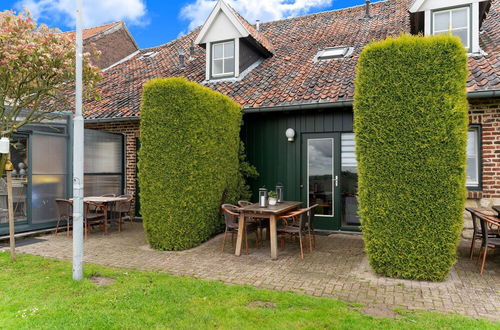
(487, 242)
(231, 216)
(299, 223)
(262, 223)
(64, 209)
(123, 211)
(95, 214)
(477, 233)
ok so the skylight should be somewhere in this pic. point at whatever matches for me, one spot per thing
(332, 52)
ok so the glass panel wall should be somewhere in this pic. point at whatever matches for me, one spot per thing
(104, 172)
(20, 179)
(349, 181)
(49, 175)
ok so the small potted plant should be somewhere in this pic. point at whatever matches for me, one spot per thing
(273, 198)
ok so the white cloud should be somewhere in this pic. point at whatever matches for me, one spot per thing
(264, 10)
(95, 12)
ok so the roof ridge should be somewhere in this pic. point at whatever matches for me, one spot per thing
(324, 12)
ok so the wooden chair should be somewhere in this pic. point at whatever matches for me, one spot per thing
(95, 214)
(64, 209)
(231, 218)
(487, 242)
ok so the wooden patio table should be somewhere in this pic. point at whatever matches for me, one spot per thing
(270, 212)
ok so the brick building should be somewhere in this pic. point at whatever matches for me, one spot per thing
(113, 40)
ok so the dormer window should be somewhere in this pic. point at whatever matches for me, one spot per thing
(455, 21)
(223, 59)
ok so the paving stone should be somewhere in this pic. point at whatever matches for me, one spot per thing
(337, 268)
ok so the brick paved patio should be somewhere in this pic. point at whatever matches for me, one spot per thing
(337, 268)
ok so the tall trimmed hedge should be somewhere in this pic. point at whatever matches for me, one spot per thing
(188, 161)
(410, 119)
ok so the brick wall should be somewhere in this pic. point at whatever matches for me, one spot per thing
(131, 131)
(114, 46)
(486, 112)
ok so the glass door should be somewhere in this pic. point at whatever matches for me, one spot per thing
(320, 179)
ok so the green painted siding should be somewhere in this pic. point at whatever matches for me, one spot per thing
(278, 160)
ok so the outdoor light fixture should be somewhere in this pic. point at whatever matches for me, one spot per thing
(4, 145)
(290, 134)
(262, 197)
(279, 192)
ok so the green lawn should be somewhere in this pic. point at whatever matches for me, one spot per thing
(39, 293)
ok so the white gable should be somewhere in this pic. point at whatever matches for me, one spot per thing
(221, 29)
(222, 24)
(423, 5)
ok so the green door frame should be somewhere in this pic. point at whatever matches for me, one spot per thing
(323, 222)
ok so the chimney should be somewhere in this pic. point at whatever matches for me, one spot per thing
(182, 58)
(367, 10)
(191, 50)
(257, 24)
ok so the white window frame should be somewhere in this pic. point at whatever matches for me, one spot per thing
(223, 74)
(450, 23)
(476, 184)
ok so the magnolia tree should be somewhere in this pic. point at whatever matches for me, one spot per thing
(37, 72)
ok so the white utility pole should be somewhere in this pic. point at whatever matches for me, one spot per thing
(78, 137)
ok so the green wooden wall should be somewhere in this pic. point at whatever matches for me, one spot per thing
(278, 160)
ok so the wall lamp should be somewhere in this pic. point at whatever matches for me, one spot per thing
(290, 134)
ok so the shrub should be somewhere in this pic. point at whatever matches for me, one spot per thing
(410, 115)
(188, 162)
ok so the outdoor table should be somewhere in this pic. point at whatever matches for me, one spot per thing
(270, 212)
(104, 200)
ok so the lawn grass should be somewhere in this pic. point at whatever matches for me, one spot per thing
(38, 293)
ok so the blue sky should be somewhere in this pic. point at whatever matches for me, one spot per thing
(155, 22)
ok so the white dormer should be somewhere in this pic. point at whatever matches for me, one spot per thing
(232, 44)
(460, 17)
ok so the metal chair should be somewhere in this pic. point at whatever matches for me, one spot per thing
(299, 223)
(64, 210)
(262, 223)
(231, 218)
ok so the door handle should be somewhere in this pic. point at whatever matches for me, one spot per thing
(336, 180)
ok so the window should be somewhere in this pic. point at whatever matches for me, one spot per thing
(473, 150)
(455, 21)
(104, 170)
(223, 59)
(333, 52)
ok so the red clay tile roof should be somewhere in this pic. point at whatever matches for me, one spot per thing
(93, 31)
(256, 35)
(290, 76)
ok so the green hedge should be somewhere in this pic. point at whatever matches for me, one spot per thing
(188, 162)
(410, 114)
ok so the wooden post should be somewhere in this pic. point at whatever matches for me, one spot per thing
(10, 206)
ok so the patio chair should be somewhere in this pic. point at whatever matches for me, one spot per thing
(123, 210)
(95, 214)
(487, 242)
(298, 227)
(64, 210)
(291, 220)
(231, 218)
(477, 232)
(262, 223)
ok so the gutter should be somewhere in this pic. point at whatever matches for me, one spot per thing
(309, 106)
(294, 107)
(111, 120)
(483, 94)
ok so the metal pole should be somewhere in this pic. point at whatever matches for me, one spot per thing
(78, 155)
(10, 206)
